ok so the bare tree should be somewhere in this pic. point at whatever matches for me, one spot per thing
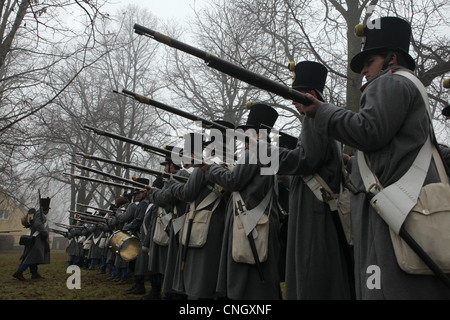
(268, 34)
(206, 92)
(125, 62)
(36, 40)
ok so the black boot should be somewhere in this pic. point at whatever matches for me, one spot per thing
(138, 287)
(154, 294)
(19, 276)
(36, 276)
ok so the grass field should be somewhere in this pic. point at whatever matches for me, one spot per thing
(53, 286)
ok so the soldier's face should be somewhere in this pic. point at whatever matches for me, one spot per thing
(372, 66)
(300, 106)
(139, 195)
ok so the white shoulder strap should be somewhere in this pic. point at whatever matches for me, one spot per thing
(396, 201)
(251, 217)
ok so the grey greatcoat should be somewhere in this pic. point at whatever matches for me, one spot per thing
(318, 258)
(95, 252)
(39, 251)
(199, 277)
(391, 126)
(73, 249)
(157, 254)
(241, 280)
(141, 265)
(164, 197)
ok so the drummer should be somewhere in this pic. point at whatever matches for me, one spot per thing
(140, 267)
(121, 270)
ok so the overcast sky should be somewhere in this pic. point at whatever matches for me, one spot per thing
(163, 9)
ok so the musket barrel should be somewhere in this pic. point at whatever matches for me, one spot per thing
(159, 151)
(90, 216)
(138, 184)
(8, 231)
(92, 207)
(227, 67)
(173, 110)
(129, 166)
(101, 181)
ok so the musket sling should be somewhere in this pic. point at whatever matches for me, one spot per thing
(336, 202)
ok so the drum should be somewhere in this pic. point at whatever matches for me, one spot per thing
(125, 245)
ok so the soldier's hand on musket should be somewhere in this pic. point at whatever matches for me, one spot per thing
(311, 109)
(204, 166)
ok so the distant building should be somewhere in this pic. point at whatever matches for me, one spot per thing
(59, 243)
(10, 214)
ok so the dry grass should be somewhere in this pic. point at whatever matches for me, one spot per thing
(53, 285)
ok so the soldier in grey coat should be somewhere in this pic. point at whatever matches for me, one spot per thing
(197, 267)
(318, 258)
(244, 280)
(391, 126)
(164, 198)
(73, 250)
(138, 227)
(37, 252)
(157, 247)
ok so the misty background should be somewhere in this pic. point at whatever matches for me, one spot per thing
(61, 60)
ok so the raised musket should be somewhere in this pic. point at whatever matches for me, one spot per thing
(62, 225)
(9, 231)
(86, 220)
(75, 176)
(137, 168)
(88, 215)
(137, 184)
(158, 151)
(97, 209)
(61, 232)
(227, 67)
(206, 123)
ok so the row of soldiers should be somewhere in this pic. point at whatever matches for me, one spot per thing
(220, 231)
(225, 235)
(193, 229)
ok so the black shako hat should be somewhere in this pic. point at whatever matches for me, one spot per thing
(387, 33)
(143, 181)
(223, 142)
(223, 123)
(287, 141)
(193, 141)
(261, 116)
(45, 203)
(446, 111)
(158, 183)
(168, 159)
(310, 75)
